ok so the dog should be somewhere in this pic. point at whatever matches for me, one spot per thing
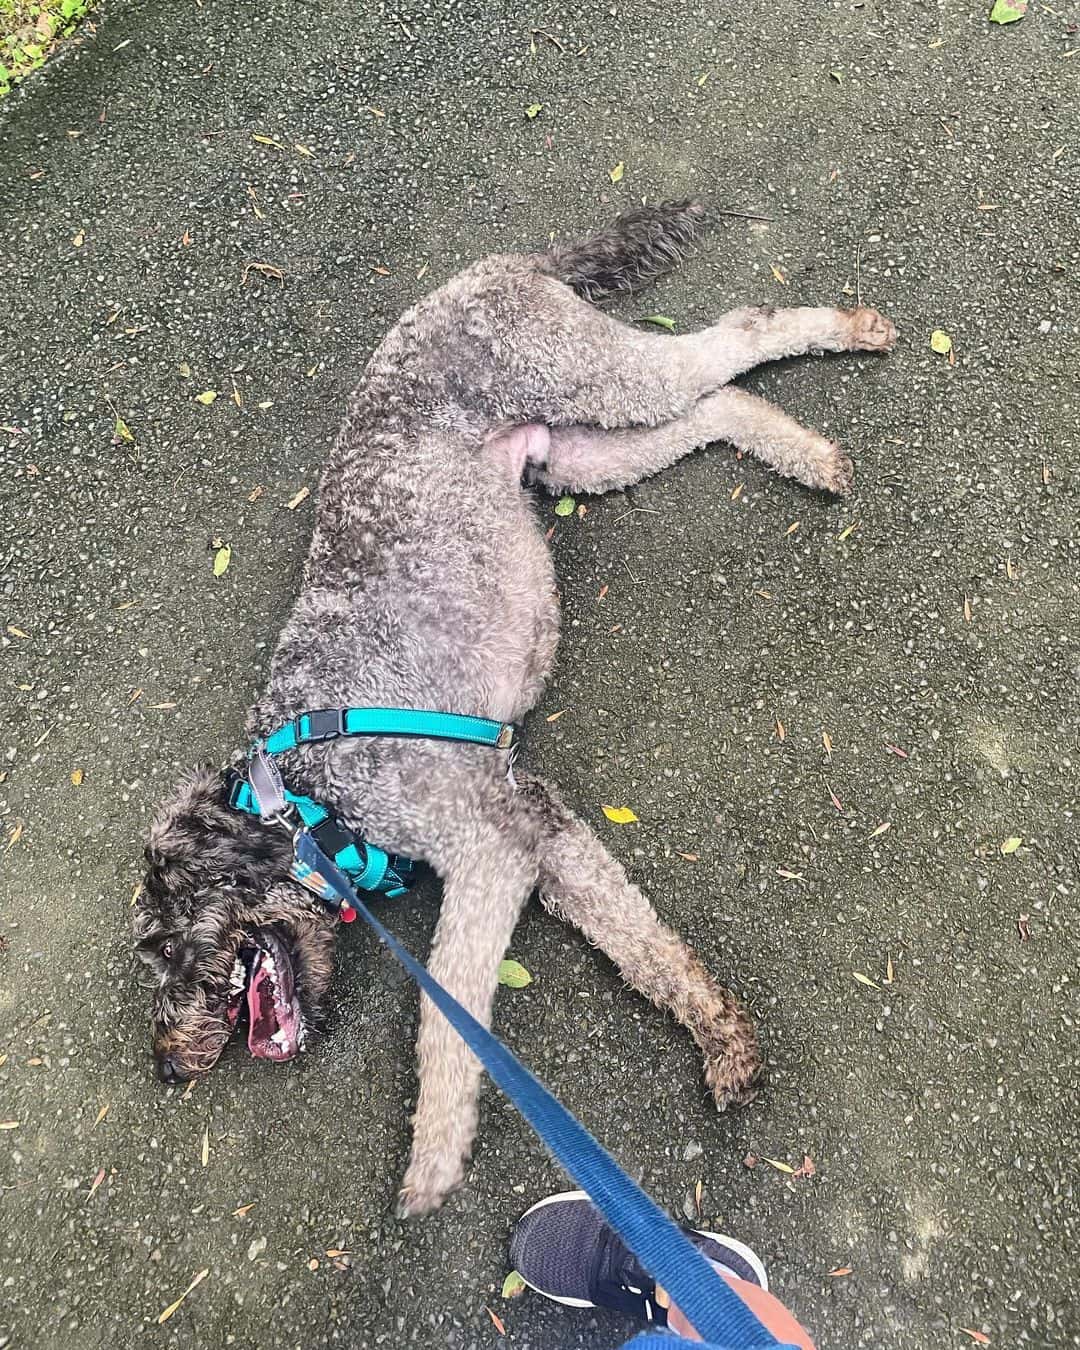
(408, 601)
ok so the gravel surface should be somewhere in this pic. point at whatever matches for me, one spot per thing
(241, 199)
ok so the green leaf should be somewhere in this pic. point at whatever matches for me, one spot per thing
(617, 172)
(513, 975)
(221, 560)
(207, 396)
(122, 431)
(661, 321)
(837, 75)
(619, 815)
(564, 506)
(1008, 11)
(513, 1285)
(532, 110)
(1011, 844)
(940, 342)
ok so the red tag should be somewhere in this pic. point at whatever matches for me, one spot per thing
(347, 913)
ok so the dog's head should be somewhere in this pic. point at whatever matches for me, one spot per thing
(225, 933)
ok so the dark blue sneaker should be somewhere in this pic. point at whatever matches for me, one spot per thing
(563, 1249)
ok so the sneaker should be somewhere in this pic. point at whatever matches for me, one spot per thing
(564, 1249)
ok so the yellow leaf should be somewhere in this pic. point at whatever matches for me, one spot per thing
(221, 560)
(791, 528)
(244, 1209)
(888, 970)
(617, 172)
(513, 1285)
(101, 1115)
(9, 1124)
(789, 875)
(619, 815)
(847, 533)
(826, 741)
(304, 150)
(16, 632)
(778, 275)
(513, 974)
(301, 496)
(1011, 844)
(865, 979)
(207, 396)
(780, 1166)
(736, 492)
(885, 825)
(206, 1146)
(78, 240)
(122, 431)
(780, 732)
(533, 110)
(554, 717)
(76, 777)
(202, 1274)
(267, 140)
(940, 342)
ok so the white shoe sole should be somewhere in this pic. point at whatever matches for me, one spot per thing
(750, 1257)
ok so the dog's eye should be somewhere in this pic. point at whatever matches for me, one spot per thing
(167, 951)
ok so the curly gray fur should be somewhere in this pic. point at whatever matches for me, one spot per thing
(429, 585)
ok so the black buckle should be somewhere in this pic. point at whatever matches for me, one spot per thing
(332, 837)
(324, 724)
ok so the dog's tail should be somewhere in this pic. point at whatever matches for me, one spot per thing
(635, 248)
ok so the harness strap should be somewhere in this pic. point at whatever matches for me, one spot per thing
(329, 724)
(368, 867)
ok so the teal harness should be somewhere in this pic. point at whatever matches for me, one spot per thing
(261, 793)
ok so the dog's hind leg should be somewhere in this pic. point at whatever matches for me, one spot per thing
(589, 459)
(580, 882)
(488, 877)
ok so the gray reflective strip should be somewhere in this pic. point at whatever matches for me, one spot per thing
(266, 785)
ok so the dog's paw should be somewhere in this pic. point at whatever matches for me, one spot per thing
(733, 1065)
(427, 1183)
(837, 472)
(870, 331)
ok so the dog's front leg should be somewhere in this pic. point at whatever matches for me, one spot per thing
(485, 889)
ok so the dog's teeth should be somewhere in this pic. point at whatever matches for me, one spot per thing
(280, 1037)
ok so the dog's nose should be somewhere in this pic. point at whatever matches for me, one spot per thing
(168, 1071)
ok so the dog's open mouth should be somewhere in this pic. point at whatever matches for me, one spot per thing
(262, 980)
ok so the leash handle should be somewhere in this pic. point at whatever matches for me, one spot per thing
(719, 1315)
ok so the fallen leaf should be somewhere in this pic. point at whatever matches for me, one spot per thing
(698, 1188)
(792, 528)
(76, 777)
(840, 1270)
(977, 1336)
(777, 274)
(1045, 470)
(1007, 11)
(834, 798)
(751, 1160)
(703, 78)
(895, 750)
(313, 1264)
(865, 979)
(619, 815)
(206, 397)
(848, 532)
(255, 493)
(244, 1209)
(788, 875)
(185, 239)
(533, 109)
(1011, 844)
(122, 431)
(837, 75)
(806, 1168)
(885, 825)
(301, 496)
(940, 342)
(333, 1252)
(737, 491)
(15, 836)
(688, 857)
(497, 1321)
(16, 632)
(513, 1285)
(9, 1124)
(101, 1116)
(189, 1089)
(826, 741)
(267, 140)
(602, 592)
(967, 610)
(96, 1183)
(564, 506)
(780, 1166)
(135, 893)
(780, 732)
(616, 173)
(205, 1152)
(221, 560)
(513, 974)
(202, 1274)
(1022, 927)
(304, 150)
(661, 321)
(185, 370)
(236, 397)
(78, 240)
(554, 717)
(888, 971)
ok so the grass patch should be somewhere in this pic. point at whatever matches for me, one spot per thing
(29, 30)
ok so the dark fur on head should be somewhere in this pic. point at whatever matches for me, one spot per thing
(215, 876)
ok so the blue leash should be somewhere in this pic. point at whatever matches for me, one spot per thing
(719, 1315)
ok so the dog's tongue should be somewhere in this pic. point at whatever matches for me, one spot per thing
(273, 1021)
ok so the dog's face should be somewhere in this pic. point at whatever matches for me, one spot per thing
(226, 937)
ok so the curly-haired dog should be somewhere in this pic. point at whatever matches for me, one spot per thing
(409, 602)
